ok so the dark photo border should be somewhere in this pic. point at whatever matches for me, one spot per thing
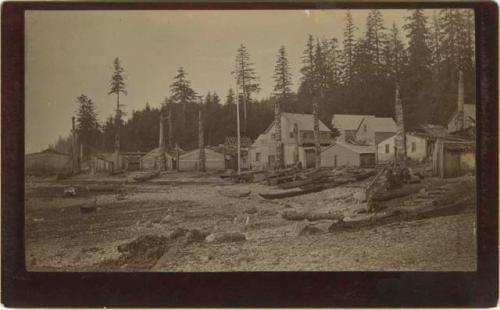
(247, 289)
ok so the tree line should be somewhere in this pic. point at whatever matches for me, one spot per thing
(356, 75)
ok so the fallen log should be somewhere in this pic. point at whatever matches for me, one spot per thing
(234, 193)
(310, 216)
(290, 193)
(146, 176)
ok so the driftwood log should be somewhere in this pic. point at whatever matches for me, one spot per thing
(310, 216)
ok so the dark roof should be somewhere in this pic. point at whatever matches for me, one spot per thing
(50, 151)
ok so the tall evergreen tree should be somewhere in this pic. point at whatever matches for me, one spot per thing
(117, 87)
(375, 38)
(349, 43)
(182, 93)
(87, 124)
(418, 72)
(246, 79)
(283, 81)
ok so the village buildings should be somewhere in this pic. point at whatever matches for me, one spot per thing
(298, 142)
(47, 162)
(347, 154)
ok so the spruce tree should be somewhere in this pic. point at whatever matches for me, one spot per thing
(349, 43)
(87, 124)
(117, 87)
(246, 79)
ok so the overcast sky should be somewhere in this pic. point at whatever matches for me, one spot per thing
(69, 53)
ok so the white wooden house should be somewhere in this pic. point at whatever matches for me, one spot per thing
(296, 146)
(347, 154)
(416, 148)
(347, 125)
(373, 130)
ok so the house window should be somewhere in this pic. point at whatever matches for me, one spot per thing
(413, 147)
(387, 148)
(257, 157)
(364, 127)
(292, 135)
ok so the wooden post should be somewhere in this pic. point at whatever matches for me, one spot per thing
(238, 151)
(117, 133)
(161, 145)
(75, 161)
(296, 137)
(400, 138)
(317, 149)
(277, 135)
(201, 144)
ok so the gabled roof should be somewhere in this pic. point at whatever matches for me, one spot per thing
(379, 124)
(156, 152)
(469, 112)
(360, 149)
(303, 121)
(50, 151)
(347, 121)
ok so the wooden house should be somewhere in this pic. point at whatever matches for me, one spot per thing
(416, 148)
(373, 130)
(347, 125)
(47, 162)
(191, 160)
(297, 136)
(347, 154)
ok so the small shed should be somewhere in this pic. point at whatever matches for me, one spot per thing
(47, 162)
(347, 154)
(191, 160)
(453, 158)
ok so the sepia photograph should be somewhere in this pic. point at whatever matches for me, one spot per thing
(250, 140)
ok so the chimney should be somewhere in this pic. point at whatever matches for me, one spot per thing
(460, 101)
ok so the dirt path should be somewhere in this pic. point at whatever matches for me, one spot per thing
(59, 237)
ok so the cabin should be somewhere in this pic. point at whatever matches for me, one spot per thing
(297, 136)
(190, 161)
(347, 154)
(347, 125)
(416, 148)
(453, 157)
(373, 130)
(47, 162)
(99, 163)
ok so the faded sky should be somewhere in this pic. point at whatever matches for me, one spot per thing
(69, 53)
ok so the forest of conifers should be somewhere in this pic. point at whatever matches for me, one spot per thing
(355, 74)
